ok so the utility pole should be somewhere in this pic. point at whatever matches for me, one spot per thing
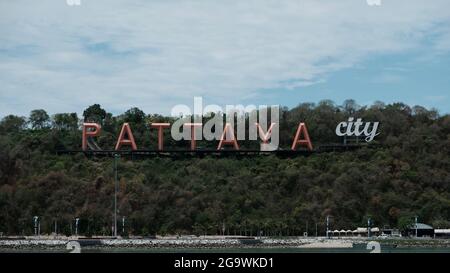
(368, 228)
(116, 157)
(328, 223)
(416, 218)
(224, 229)
(123, 224)
(56, 227)
(76, 226)
(36, 219)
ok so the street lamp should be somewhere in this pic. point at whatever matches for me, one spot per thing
(328, 223)
(36, 219)
(368, 227)
(223, 228)
(77, 220)
(416, 218)
(123, 224)
(116, 157)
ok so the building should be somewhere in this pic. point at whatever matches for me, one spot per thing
(362, 232)
(442, 233)
(390, 232)
(422, 230)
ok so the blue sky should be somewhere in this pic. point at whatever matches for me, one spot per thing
(156, 54)
(409, 80)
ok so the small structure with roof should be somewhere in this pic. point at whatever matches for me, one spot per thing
(420, 230)
(442, 233)
(362, 232)
(391, 232)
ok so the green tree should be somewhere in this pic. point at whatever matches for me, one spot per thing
(12, 123)
(95, 113)
(350, 106)
(65, 121)
(39, 119)
(134, 115)
(405, 222)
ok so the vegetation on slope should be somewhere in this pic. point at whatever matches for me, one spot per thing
(407, 174)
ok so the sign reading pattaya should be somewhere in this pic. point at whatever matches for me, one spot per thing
(261, 123)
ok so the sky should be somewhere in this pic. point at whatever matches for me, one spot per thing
(154, 54)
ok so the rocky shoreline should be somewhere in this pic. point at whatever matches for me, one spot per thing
(198, 243)
(174, 243)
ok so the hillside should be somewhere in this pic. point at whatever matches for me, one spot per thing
(406, 173)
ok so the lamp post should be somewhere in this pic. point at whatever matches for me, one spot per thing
(416, 218)
(116, 180)
(328, 223)
(77, 220)
(123, 225)
(368, 227)
(36, 219)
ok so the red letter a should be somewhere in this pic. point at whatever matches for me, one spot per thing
(126, 129)
(224, 140)
(303, 142)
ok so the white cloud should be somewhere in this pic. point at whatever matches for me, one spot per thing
(154, 54)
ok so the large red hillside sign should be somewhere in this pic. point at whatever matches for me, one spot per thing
(301, 139)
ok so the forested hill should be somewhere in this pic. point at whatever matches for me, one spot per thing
(407, 174)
